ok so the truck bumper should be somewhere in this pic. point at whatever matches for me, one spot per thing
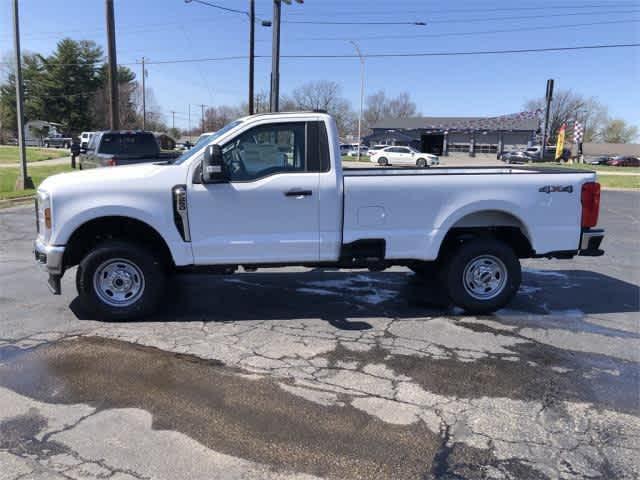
(590, 241)
(50, 259)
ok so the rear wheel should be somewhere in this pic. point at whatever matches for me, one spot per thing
(422, 163)
(119, 281)
(383, 162)
(482, 275)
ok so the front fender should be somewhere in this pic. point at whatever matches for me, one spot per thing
(68, 220)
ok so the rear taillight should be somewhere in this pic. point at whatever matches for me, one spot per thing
(590, 204)
(112, 162)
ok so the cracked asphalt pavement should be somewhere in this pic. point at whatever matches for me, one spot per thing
(303, 374)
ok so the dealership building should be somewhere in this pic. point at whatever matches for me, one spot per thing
(443, 135)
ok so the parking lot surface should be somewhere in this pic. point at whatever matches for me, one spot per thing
(326, 374)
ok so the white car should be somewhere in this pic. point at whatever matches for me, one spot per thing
(85, 138)
(353, 151)
(269, 190)
(376, 148)
(403, 156)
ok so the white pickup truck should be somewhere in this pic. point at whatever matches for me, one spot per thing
(269, 190)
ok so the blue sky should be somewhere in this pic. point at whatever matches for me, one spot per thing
(443, 86)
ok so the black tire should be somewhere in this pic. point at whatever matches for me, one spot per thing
(426, 270)
(475, 255)
(153, 281)
(422, 163)
(383, 162)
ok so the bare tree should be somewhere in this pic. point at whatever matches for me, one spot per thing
(567, 107)
(617, 130)
(323, 95)
(217, 117)
(379, 107)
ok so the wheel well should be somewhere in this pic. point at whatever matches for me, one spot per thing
(489, 224)
(96, 231)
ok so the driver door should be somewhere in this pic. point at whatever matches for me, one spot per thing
(269, 210)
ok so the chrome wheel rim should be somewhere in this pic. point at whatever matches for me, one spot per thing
(485, 277)
(118, 282)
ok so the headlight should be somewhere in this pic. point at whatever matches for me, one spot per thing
(45, 224)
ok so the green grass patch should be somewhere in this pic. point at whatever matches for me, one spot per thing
(586, 166)
(9, 154)
(347, 158)
(620, 181)
(8, 178)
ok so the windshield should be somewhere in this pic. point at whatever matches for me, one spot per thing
(204, 140)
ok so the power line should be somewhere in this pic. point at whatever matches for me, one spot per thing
(457, 20)
(480, 52)
(220, 7)
(455, 34)
(456, 10)
(396, 55)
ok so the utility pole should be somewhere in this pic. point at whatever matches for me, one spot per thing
(275, 58)
(173, 120)
(113, 68)
(274, 103)
(252, 34)
(189, 122)
(361, 93)
(202, 107)
(144, 97)
(549, 98)
(23, 181)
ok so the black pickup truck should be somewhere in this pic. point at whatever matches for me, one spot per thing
(114, 148)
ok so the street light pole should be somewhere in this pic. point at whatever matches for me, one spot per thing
(144, 97)
(23, 181)
(361, 93)
(252, 33)
(275, 58)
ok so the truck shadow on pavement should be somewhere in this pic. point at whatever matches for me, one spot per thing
(346, 299)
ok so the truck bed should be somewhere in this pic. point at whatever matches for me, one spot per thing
(474, 170)
(412, 209)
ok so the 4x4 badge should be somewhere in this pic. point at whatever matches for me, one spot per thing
(556, 188)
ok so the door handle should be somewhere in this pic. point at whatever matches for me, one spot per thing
(298, 193)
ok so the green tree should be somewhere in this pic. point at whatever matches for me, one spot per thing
(616, 130)
(32, 74)
(70, 82)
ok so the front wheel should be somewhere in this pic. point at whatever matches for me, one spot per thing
(422, 163)
(482, 275)
(383, 162)
(120, 281)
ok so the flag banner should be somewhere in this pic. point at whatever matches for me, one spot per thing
(560, 144)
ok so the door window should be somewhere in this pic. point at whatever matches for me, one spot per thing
(266, 150)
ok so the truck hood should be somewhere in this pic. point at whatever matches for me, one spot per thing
(102, 178)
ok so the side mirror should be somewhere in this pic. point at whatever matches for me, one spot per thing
(213, 170)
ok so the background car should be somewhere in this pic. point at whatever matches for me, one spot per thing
(85, 138)
(515, 157)
(624, 161)
(376, 148)
(353, 151)
(403, 156)
(603, 160)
